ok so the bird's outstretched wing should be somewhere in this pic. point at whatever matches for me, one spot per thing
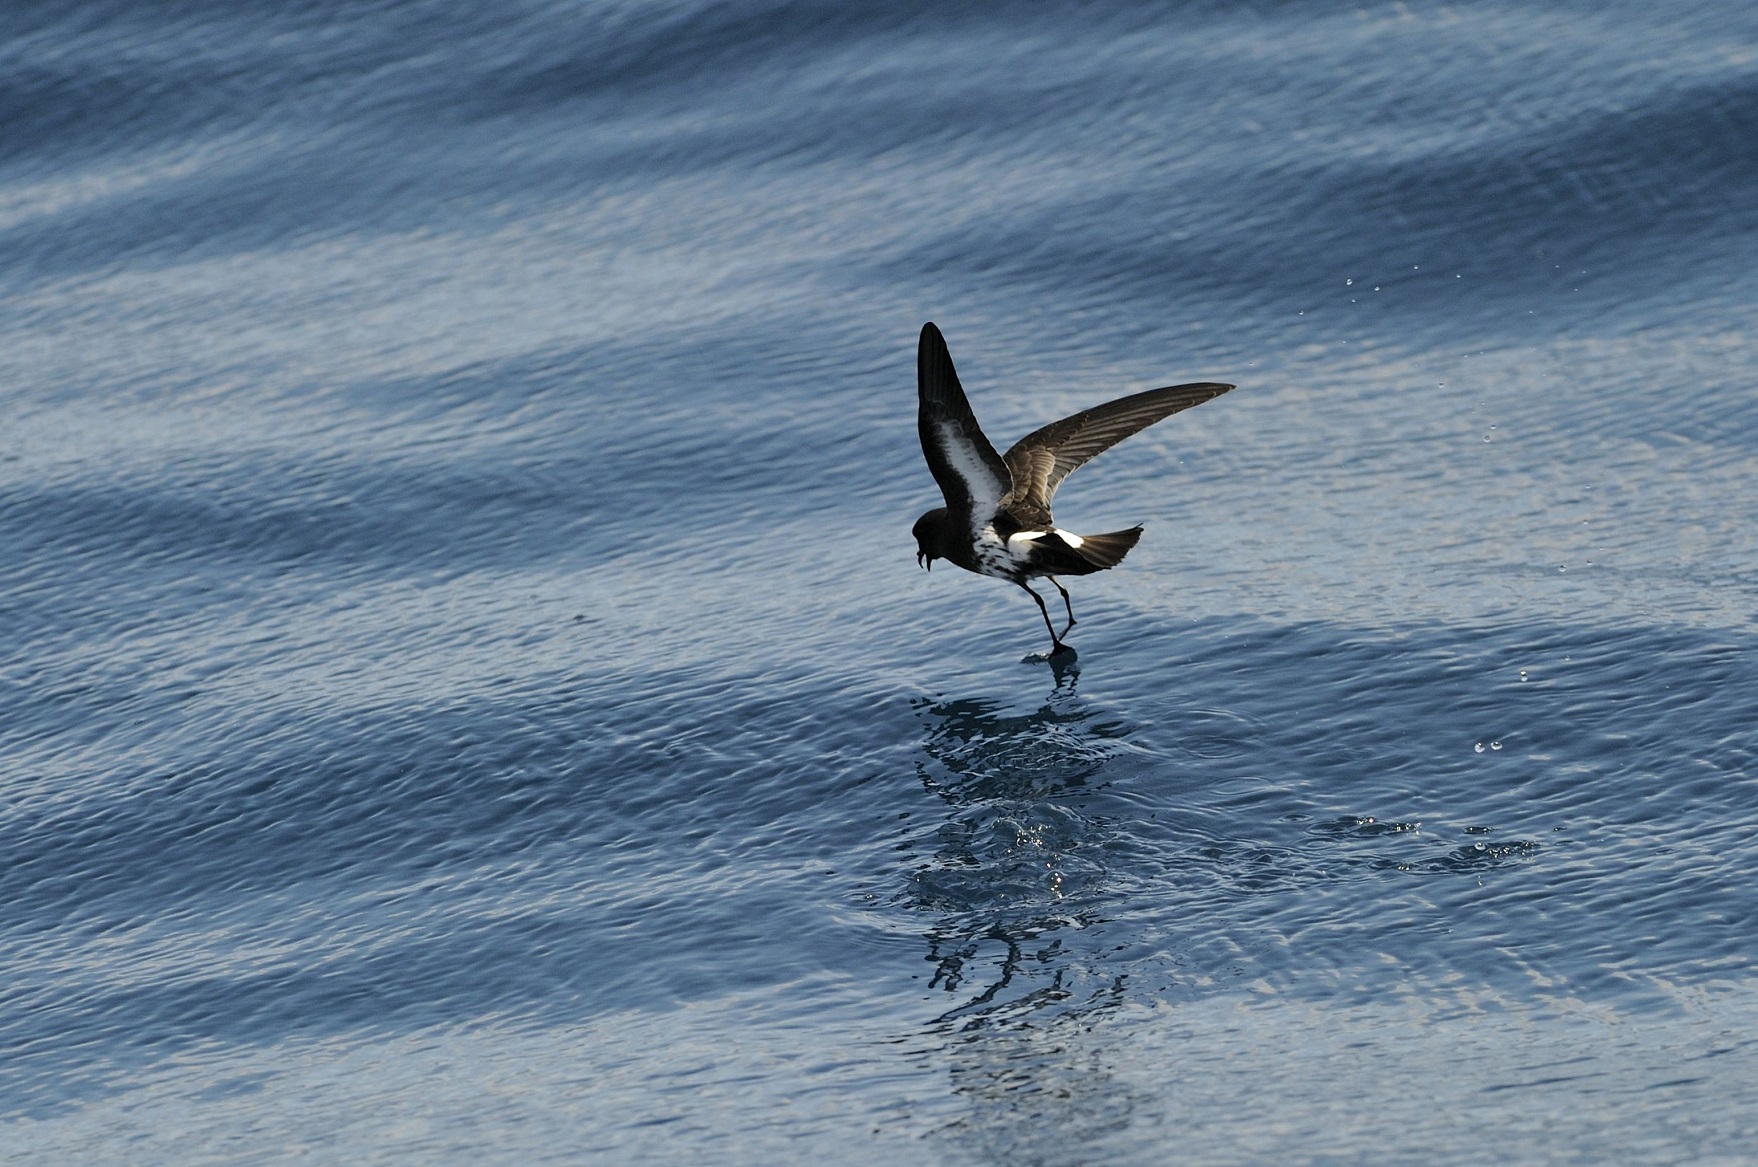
(971, 474)
(1039, 462)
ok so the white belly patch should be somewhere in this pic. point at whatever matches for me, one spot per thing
(999, 559)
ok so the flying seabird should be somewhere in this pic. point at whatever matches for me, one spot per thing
(996, 520)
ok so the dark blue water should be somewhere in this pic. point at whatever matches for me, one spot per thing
(467, 693)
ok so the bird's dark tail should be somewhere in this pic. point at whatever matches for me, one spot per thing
(1107, 550)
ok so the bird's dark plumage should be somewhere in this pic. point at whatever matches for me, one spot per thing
(970, 473)
(997, 519)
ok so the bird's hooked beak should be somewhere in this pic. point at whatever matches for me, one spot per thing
(923, 561)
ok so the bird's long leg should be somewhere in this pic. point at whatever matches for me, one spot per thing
(1055, 640)
(1066, 603)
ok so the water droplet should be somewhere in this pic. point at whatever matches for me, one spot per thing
(1348, 283)
(1478, 748)
(1440, 384)
(1376, 287)
(1495, 745)
(1480, 846)
(1522, 674)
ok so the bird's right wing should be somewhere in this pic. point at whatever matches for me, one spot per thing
(1040, 461)
(971, 474)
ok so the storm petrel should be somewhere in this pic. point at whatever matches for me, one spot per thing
(996, 520)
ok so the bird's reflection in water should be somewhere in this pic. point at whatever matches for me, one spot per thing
(1020, 874)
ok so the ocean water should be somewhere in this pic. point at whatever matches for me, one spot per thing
(467, 693)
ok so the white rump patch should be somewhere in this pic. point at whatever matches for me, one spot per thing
(1068, 537)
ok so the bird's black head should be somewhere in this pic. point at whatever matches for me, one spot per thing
(929, 531)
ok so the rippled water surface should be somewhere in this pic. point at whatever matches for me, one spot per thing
(468, 694)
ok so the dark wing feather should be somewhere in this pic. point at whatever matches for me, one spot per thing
(971, 474)
(1074, 441)
(1028, 502)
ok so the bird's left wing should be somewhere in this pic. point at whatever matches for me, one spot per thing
(971, 474)
(1040, 461)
